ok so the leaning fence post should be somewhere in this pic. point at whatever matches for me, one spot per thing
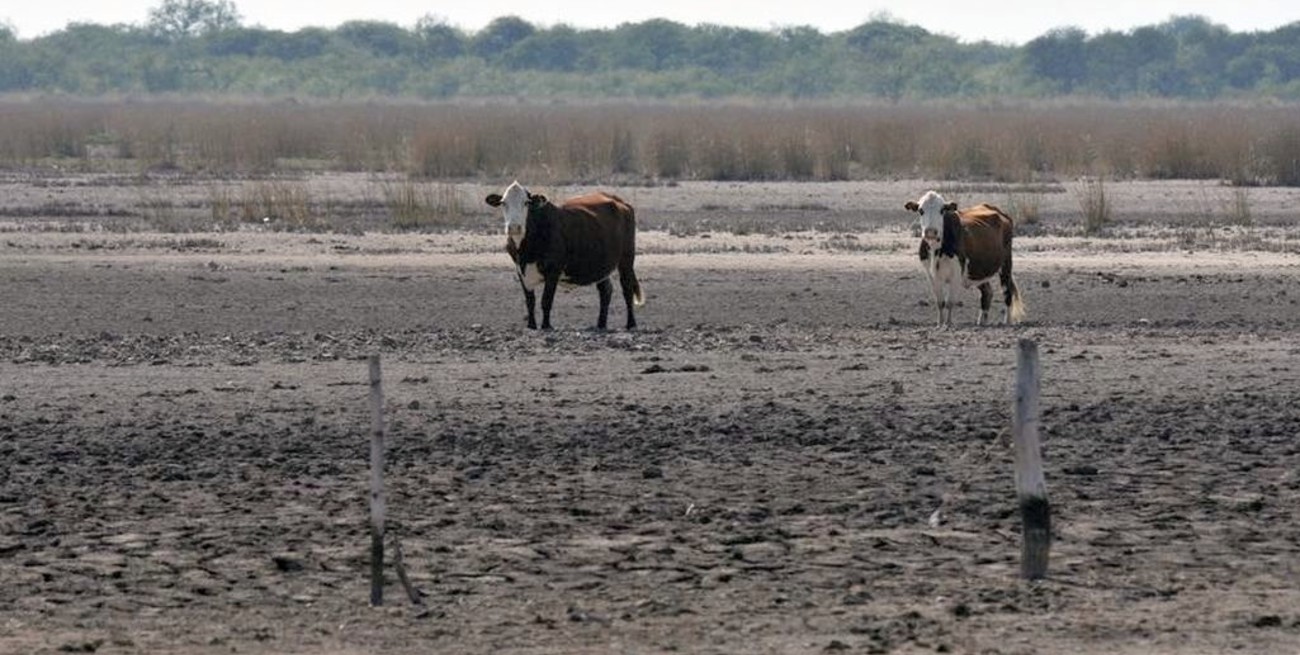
(1031, 487)
(376, 484)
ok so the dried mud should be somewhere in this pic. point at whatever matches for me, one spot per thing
(786, 458)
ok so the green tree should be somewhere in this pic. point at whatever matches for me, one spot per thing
(732, 49)
(1112, 64)
(199, 46)
(175, 20)
(306, 43)
(15, 74)
(556, 49)
(378, 38)
(500, 35)
(1247, 71)
(437, 40)
(1059, 56)
(238, 42)
(802, 41)
(1204, 51)
(652, 45)
(884, 39)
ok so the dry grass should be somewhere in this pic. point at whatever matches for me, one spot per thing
(1237, 208)
(622, 141)
(420, 206)
(1025, 207)
(1091, 194)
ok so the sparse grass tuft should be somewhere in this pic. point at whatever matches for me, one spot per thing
(852, 243)
(160, 212)
(278, 204)
(1024, 207)
(1237, 208)
(1091, 195)
(415, 206)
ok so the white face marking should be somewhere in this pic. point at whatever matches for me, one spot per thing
(931, 205)
(514, 205)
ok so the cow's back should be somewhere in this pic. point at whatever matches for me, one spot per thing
(599, 231)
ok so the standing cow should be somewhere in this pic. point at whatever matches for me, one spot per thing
(585, 240)
(967, 248)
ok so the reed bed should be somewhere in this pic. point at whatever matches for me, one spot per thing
(627, 141)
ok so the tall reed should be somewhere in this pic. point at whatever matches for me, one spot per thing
(718, 140)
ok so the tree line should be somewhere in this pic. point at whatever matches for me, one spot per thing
(203, 47)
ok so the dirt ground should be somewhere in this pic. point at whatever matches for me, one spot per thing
(785, 458)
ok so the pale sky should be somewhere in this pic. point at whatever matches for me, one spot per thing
(1007, 21)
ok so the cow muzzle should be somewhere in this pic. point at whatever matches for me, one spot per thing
(930, 234)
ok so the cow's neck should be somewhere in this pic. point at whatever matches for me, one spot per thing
(950, 245)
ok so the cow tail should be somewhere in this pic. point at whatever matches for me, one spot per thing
(638, 298)
(1016, 310)
(1015, 304)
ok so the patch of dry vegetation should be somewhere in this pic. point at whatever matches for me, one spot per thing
(1246, 145)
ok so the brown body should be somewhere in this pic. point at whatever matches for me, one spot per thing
(980, 238)
(586, 240)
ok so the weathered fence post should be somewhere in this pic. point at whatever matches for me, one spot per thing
(1031, 487)
(377, 507)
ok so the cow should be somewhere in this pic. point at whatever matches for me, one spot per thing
(970, 248)
(587, 239)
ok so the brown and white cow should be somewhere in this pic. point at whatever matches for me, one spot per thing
(967, 248)
(587, 239)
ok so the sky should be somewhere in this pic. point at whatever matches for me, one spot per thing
(1006, 21)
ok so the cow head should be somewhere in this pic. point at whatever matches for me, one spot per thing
(931, 207)
(514, 205)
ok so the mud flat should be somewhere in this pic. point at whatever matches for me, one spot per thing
(183, 428)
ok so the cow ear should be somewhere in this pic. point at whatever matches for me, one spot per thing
(950, 207)
(536, 200)
(493, 199)
(911, 206)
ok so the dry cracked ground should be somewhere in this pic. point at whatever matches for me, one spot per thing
(785, 458)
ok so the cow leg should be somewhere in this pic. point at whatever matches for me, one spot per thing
(949, 299)
(627, 281)
(548, 299)
(986, 301)
(606, 290)
(530, 301)
(945, 283)
(1013, 308)
(954, 290)
(937, 292)
(1010, 296)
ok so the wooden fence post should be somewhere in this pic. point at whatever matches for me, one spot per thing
(377, 506)
(1031, 486)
